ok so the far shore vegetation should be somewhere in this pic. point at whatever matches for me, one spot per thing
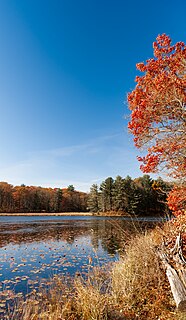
(120, 196)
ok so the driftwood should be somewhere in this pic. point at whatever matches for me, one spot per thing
(176, 274)
(179, 259)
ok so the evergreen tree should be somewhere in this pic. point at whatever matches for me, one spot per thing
(119, 195)
(71, 188)
(106, 189)
(144, 186)
(93, 199)
(132, 196)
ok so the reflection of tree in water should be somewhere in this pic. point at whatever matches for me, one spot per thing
(104, 233)
(111, 245)
(114, 234)
(111, 234)
(108, 234)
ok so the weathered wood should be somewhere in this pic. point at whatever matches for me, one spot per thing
(182, 275)
(179, 259)
(177, 251)
(177, 278)
(177, 287)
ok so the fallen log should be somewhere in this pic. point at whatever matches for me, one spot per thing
(176, 276)
(179, 259)
(177, 287)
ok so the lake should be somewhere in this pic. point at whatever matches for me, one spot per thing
(35, 248)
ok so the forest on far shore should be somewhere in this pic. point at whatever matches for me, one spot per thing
(140, 196)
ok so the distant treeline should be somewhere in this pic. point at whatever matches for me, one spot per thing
(37, 199)
(141, 196)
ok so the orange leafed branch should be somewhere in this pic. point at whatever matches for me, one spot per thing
(158, 109)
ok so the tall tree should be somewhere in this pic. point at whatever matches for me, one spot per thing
(133, 196)
(6, 198)
(93, 198)
(158, 105)
(119, 195)
(148, 196)
(57, 200)
(106, 189)
(161, 189)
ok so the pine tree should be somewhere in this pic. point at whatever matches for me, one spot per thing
(119, 195)
(106, 189)
(71, 188)
(132, 196)
(93, 199)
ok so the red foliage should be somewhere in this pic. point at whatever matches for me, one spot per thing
(177, 200)
(158, 105)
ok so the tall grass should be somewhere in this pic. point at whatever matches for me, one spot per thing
(92, 295)
(139, 282)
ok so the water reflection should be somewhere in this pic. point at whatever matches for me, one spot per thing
(35, 250)
(111, 232)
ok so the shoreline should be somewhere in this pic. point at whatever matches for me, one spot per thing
(75, 214)
(47, 214)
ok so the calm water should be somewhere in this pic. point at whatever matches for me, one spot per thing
(33, 249)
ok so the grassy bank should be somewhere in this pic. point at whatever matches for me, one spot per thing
(135, 287)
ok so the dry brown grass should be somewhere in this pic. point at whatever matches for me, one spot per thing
(139, 282)
(92, 295)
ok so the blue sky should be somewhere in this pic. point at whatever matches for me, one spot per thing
(66, 67)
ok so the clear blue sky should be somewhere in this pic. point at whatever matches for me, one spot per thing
(65, 69)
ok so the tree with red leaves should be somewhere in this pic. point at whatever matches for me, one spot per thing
(158, 118)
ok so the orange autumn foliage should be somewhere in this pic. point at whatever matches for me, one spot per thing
(177, 200)
(158, 117)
